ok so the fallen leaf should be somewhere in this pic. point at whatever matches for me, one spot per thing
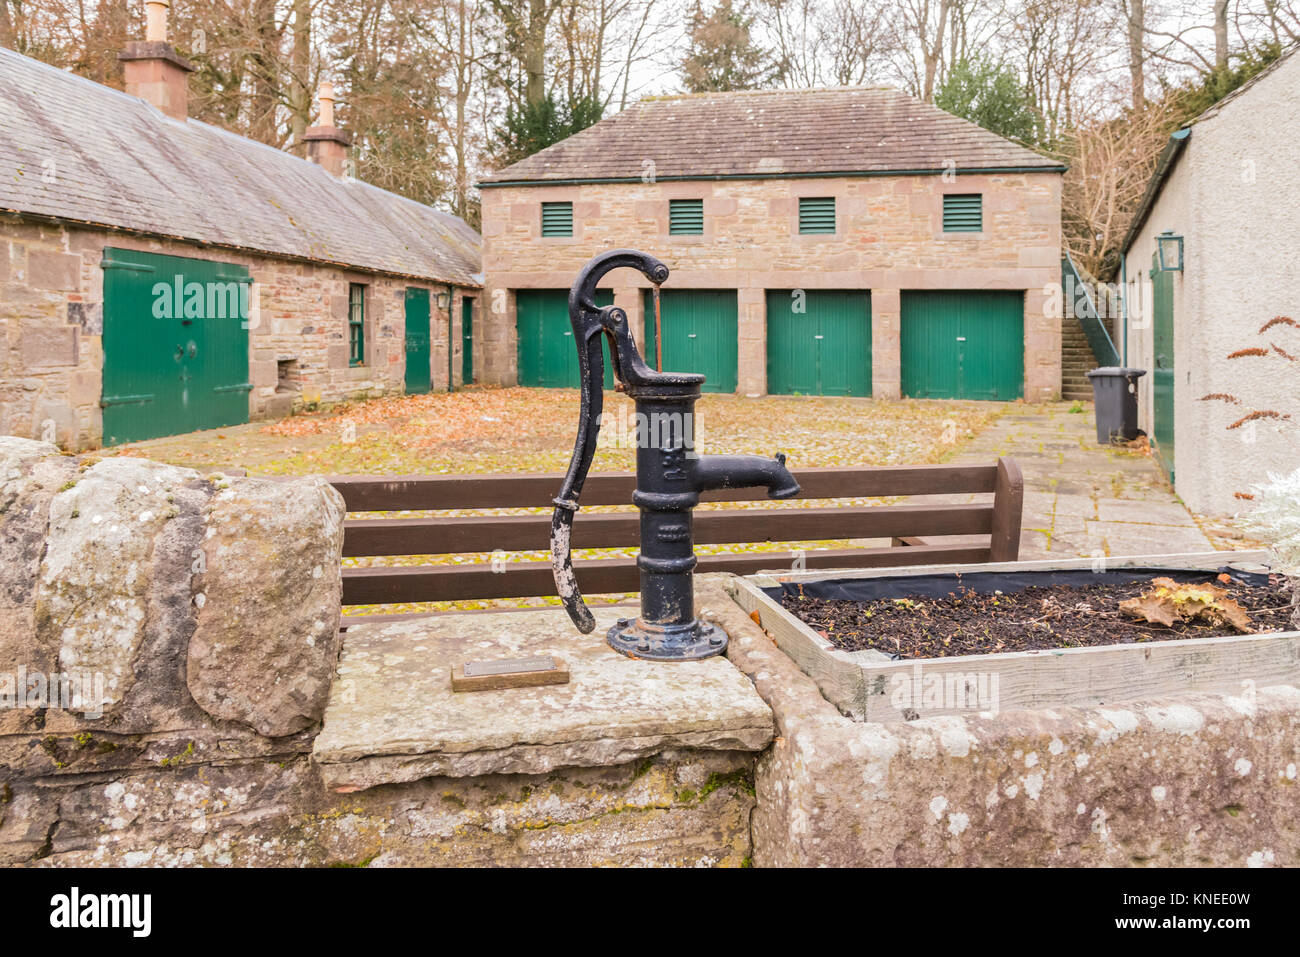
(1157, 610)
(1167, 602)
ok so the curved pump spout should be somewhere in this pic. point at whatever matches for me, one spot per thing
(745, 471)
(669, 477)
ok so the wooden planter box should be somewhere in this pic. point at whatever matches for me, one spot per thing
(871, 686)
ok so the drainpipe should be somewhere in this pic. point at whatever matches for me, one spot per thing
(1123, 284)
(451, 338)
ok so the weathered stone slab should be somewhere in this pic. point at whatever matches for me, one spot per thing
(393, 717)
(137, 597)
(99, 568)
(266, 642)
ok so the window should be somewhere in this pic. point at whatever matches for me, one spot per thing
(686, 217)
(557, 219)
(963, 213)
(356, 324)
(817, 214)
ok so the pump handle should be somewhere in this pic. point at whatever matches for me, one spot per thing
(590, 322)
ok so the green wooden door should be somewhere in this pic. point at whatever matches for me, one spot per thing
(967, 344)
(700, 334)
(818, 342)
(1162, 377)
(419, 371)
(548, 357)
(467, 340)
(175, 345)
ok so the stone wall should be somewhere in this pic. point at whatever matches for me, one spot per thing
(1193, 780)
(203, 806)
(151, 616)
(890, 238)
(189, 627)
(51, 323)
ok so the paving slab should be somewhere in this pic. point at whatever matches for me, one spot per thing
(1143, 512)
(1084, 499)
(392, 716)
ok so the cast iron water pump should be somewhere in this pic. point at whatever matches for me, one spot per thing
(669, 476)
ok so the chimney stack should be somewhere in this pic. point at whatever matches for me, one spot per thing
(155, 72)
(327, 145)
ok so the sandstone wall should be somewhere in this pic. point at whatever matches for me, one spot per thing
(52, 320)
(151, 616)
(889, 239)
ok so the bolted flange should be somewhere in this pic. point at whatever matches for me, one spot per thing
(688, 641)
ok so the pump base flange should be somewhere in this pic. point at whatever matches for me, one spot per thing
(684, 642)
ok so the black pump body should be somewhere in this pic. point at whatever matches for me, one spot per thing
(669, 476)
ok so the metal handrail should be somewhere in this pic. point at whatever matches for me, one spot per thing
(1103, 349)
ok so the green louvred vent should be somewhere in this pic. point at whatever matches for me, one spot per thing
(686, 217)
(557, 219)
(963, 213)
(817, 214)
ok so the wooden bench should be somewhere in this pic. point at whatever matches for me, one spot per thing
(909, 527)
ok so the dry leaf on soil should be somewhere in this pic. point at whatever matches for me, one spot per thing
(1167, 602)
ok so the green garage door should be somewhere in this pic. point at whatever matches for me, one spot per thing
(175, 345)
(700, 334)
(963, 344)
(419, 371)
(548, 357)
(818, 342)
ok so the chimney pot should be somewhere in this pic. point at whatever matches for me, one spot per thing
(156, 20)
(326, 97)
(327, 145)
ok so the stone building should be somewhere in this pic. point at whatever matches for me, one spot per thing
(1210, 259)
(846, 241)
(159, 275)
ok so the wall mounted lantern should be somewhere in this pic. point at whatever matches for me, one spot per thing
(443, 299)
(1169, 249)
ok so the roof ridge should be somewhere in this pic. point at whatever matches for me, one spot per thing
(67, 74)
(777, 91)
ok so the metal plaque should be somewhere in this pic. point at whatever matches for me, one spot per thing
(508, 666)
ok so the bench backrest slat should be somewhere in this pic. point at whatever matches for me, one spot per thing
(364, 493)
(392, 585)
(442, 536)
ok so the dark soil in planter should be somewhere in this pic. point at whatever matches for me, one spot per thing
(1037, 617)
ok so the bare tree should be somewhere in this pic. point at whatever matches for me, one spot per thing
(1110, 165)
(1221, 34)
(1060, 43)
(918, 32)
(825, 42)
(1135, 25)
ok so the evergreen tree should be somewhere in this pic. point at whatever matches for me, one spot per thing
(990, 95)
(530, 127)
(722, 54)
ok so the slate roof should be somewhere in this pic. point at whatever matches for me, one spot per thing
(762, 134)
(117, 161)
